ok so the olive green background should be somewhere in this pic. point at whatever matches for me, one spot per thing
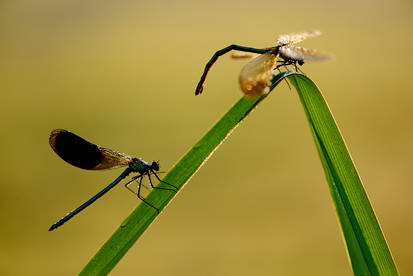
(123, 74)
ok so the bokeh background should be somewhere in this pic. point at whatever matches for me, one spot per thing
(122, 74)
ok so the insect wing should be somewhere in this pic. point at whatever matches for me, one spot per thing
(303, 54)
(295, 38)
(83, 154)
(243, 55)
(112, 159)
(256, 75)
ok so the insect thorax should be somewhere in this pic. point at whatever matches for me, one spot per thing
(139, 165)
(297, 59)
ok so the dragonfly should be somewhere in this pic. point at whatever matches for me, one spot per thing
(86, 155)
(255, 76)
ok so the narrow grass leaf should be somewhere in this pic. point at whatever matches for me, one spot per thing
(367, 248)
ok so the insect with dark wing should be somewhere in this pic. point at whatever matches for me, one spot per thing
(255, 76)
(85, 155)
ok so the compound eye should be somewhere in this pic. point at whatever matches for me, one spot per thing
(155, 166)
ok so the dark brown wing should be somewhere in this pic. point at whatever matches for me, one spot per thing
(83, 154)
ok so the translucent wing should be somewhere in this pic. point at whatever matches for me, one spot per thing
(295, 38)
(242, 55)
(112, 159)
(303, 54)
(256, 75)
(83, 154)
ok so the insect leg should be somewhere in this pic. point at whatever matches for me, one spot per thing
(150, 182)
(297, 69)
(130, 181)
(219, 53)
(283, 63)
(157, 177)
(142, 198)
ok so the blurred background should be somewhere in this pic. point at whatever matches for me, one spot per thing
(122, 75)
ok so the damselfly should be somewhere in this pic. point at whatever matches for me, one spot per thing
(255, 76)
(85, 155)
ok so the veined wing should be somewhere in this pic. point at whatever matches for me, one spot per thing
(242, 55)
(112, 159)
(80, 153)
(256, 75)
(295, 38)
(303, 54)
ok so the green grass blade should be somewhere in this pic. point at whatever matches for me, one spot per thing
(365, 242)
(139, 220)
